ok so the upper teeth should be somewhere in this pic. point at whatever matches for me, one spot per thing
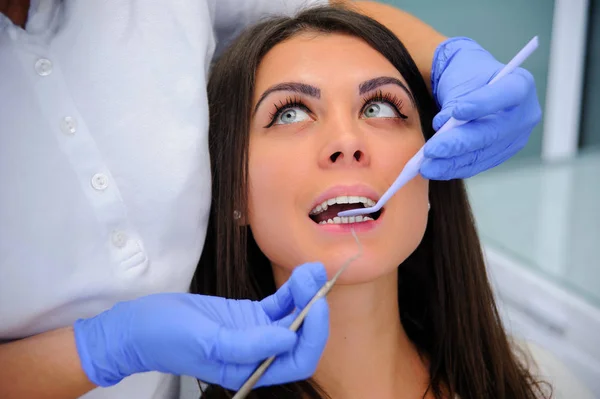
(344, 199)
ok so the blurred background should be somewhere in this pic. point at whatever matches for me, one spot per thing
(539, 213)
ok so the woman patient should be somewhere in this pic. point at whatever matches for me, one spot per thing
(317, 114)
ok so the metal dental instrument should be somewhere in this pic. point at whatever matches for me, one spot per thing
(412, 167)
(323, 291)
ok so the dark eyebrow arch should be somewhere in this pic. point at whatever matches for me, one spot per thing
(294, 87)
(374, 83)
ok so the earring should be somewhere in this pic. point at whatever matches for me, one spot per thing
(429, 206)
(237, 215)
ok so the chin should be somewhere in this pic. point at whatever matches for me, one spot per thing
(369, 267)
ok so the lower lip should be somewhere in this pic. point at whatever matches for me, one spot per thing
(347, 227)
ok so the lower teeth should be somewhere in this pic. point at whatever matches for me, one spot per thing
(347, 219)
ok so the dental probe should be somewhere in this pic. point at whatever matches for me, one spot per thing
(412, 167)
(323, 291)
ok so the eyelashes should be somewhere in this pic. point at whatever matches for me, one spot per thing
(377, 97)
(391, 99)
(290, 102)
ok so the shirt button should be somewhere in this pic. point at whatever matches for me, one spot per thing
(119, 239)
(43, 67)
(68, 125)
(99, 181)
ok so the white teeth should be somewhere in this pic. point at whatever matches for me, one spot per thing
(347, 220)
(343, 199)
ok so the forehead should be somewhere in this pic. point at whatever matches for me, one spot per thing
(322, 59)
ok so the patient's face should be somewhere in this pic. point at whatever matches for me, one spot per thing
(333, 128)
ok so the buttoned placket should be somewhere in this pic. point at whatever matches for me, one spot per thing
(79, 147)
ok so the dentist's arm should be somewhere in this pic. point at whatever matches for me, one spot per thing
(217, 340)
(44, 366)
(420, 39)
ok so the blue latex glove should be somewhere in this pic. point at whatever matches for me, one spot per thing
(506, 111)
(214, 339)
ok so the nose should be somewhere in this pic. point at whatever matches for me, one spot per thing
(346, 149)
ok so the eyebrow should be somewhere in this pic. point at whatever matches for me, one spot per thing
(290, 86)
(315, 92)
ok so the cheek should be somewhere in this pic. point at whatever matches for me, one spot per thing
(277, 169)
(263, 182)
(394, 156)
(409, 214)
(274, 177)
(406, 212)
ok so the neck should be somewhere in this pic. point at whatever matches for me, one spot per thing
(15, 10)
(368, 353)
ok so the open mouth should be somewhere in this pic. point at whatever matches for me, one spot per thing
(327, 211)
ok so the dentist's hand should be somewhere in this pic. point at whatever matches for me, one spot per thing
(214, 339)
(506, 111)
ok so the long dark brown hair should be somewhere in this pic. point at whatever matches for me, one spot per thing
(446, 303)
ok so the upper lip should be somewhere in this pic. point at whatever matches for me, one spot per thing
(358, 190)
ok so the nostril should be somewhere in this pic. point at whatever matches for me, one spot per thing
(339, 155)
(335, 156)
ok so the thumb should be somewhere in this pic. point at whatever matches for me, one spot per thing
(253, 345)
(305, 281)
(278, 304)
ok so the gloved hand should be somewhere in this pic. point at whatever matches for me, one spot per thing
(214, 339)
(506, 111)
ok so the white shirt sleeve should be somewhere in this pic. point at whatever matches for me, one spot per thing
(230, 17)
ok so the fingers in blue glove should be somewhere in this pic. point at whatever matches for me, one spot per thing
(442, 117)
(469, 164)
(253, 345)
(305, 281)
(484, 109)
(490, 112)
(472, 136)
(492, 134)
(302, 362)
(299, 364)
(507, 92)
(302, 286)
(280, 304)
